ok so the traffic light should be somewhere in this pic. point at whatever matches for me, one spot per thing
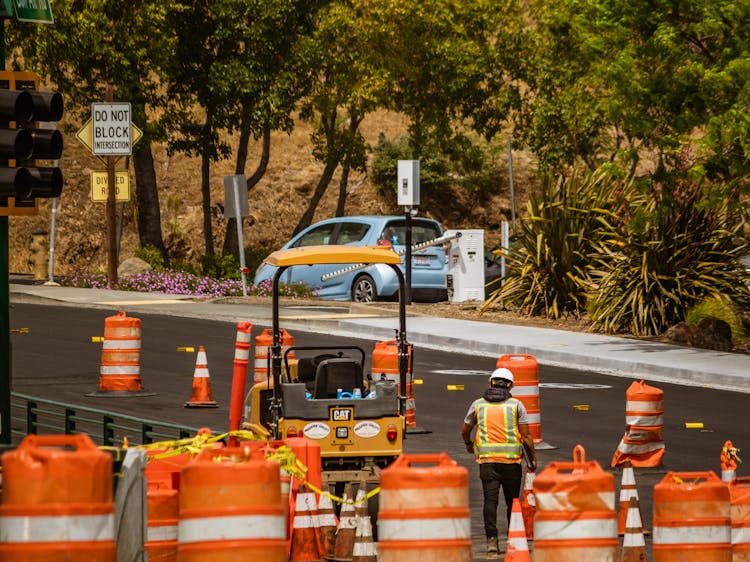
(25, 143)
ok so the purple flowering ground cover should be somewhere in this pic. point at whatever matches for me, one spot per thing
(175, 282)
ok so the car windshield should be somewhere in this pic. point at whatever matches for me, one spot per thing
(421, 231)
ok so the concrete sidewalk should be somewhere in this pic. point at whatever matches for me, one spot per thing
(610, 355)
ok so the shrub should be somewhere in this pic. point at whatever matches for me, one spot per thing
(722, 308)
(151, 255)
(548, 270)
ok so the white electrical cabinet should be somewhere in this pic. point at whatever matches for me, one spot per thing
(465, 279)
(408, 183)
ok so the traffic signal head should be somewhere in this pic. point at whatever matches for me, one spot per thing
(24, 140)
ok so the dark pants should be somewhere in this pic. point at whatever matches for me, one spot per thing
(494, 475)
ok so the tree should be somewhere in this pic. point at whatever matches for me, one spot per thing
(268, 77)
(107, 42)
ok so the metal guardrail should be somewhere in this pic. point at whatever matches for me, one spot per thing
(36, 415)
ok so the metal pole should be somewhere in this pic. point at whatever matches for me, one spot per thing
(504, 243)
(238, 221)
(407, 288)
(52, 227)
(5, 349)
(510, 181)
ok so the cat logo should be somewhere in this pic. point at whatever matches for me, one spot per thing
(342, 414)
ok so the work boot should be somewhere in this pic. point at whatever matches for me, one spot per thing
(492, 551)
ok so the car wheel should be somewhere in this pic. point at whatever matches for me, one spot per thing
(363, 289)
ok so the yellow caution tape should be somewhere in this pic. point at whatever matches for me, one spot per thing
(694, 425)
(20, 331)
(186, 349)
(418, 381)
(97, 339)
(581, 407)
(455, 387)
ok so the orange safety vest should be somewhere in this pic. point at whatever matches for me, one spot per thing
(497, 431)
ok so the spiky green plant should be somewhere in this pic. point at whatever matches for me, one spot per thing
(669, 245)
(720, 307)
(548, 267)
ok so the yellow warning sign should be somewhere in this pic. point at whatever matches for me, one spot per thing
(100, 182)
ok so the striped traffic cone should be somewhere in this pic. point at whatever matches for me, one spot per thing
(634, 543)
(201, 395)
(518, 548)
(326, 525)
(627, 491)
(364, 547)
(343, 550)
(304, 540)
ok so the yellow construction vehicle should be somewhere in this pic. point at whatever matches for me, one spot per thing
(322, 393)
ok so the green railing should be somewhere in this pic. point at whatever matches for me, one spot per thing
(36, 415)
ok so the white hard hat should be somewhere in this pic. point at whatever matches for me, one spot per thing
(502, 373)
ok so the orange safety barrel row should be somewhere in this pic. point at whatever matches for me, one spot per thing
(575, 512)
(739, 497)
(424, 510)
(230, 508)
(57, 501)
(691, 518)
(642, 443)
(385, 363)
(263, 345)
(525, 371)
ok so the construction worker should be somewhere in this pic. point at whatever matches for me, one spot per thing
(502, 436)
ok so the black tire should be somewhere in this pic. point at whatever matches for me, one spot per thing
(364, 290)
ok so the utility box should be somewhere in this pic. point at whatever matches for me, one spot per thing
(408, 183)
(465, 279)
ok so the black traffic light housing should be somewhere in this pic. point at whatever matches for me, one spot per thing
(23, 143)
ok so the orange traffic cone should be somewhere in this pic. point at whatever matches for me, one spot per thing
(343, 550)
(528, 504)
(634, 544)
(627, 491)
(518, 548)
(326, 526)
(364, 547)
(201, 395)
(304, 540)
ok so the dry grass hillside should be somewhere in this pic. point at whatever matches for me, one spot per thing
(275, 204)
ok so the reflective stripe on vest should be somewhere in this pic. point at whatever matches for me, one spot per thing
(57, 528)
(497, 430)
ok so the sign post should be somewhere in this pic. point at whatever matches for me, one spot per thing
(111, 137)
(237, 206)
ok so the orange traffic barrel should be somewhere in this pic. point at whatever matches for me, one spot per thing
(424, 510)
(525, 371)
(575, 517)
(692, 518)
(57, 501)
(163, 513)
(739, 498)
(230, 508)
(385, 363)
(642, 443)
(120, 369)
(263, 345)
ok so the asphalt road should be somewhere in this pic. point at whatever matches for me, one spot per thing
(57, 360)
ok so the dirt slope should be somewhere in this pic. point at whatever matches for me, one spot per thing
(275, 204)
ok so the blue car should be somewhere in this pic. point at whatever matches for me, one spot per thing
(377, 282)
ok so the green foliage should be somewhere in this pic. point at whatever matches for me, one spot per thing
(253, 258)
(151, 256)
(221, 266)
(549, 267)
(668, 245)
(722, 308)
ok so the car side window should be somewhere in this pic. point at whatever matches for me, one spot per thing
(351, 232)
(319, 236)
